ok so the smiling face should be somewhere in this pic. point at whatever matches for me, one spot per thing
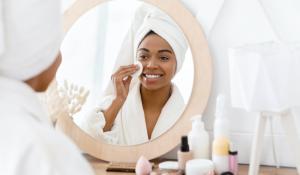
(158, 60)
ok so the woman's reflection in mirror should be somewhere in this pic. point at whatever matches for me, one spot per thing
(144, 108)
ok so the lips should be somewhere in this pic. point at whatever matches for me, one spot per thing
(151, 75)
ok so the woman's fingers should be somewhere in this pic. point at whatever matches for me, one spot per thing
(122, 79)
(123, 73)
(126, 68)
(127, 82)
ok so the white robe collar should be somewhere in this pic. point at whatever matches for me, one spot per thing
(133, 118)
(18, 95)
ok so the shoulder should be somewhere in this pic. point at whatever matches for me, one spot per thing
(58, 152)
(36, 148)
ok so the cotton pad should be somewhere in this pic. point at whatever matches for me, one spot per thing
(139, 71)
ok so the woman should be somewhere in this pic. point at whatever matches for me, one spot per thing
(142, 109)
(29, 58)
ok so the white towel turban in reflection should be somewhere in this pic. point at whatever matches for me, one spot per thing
(30, 36)
(165, 27)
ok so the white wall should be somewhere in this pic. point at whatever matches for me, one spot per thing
(241, 22)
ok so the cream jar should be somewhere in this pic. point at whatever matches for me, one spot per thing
(199, 167)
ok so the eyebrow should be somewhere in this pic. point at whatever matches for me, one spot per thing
(164, 50)
(143, 49)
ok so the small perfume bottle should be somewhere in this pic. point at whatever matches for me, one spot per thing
(184, 154)
(233, 159)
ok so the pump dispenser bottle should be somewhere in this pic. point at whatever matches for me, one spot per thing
(184, 154)
(220, 148)
(199, 139)
(221, 124)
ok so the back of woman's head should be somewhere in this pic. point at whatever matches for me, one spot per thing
(31, 39)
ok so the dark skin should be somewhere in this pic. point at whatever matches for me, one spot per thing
(159, 67)
(40, 83)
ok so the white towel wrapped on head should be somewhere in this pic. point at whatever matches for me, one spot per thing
(164, 26)
(30, 37)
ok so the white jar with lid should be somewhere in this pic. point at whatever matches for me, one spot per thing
(199, 167)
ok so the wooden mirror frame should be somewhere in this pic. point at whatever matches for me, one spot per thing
(196, 104)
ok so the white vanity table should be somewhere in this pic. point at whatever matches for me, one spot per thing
(99, 167)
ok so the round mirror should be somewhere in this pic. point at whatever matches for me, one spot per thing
(93, 57)
(104, 46)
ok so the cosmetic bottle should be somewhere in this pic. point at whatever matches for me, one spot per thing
(199, 139)
(184, 154)
(221, 124)
(233, 159)
(220, 154)
(220, 148)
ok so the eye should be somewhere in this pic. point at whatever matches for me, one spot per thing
(142, 57)
(164, 58)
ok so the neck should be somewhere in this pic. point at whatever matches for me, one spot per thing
(155, 98)
(33, 84)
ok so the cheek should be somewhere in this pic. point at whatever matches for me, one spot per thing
(171, 69)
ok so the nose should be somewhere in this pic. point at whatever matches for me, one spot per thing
(151, 63)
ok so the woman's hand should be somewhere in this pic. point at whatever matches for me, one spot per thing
(122, 79)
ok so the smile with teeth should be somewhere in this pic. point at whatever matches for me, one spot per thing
(152, 76)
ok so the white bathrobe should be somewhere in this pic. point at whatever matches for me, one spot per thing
(29, 144)
(130, 127)
(30, 36)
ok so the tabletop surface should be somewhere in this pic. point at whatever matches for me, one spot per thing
(100, 169)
